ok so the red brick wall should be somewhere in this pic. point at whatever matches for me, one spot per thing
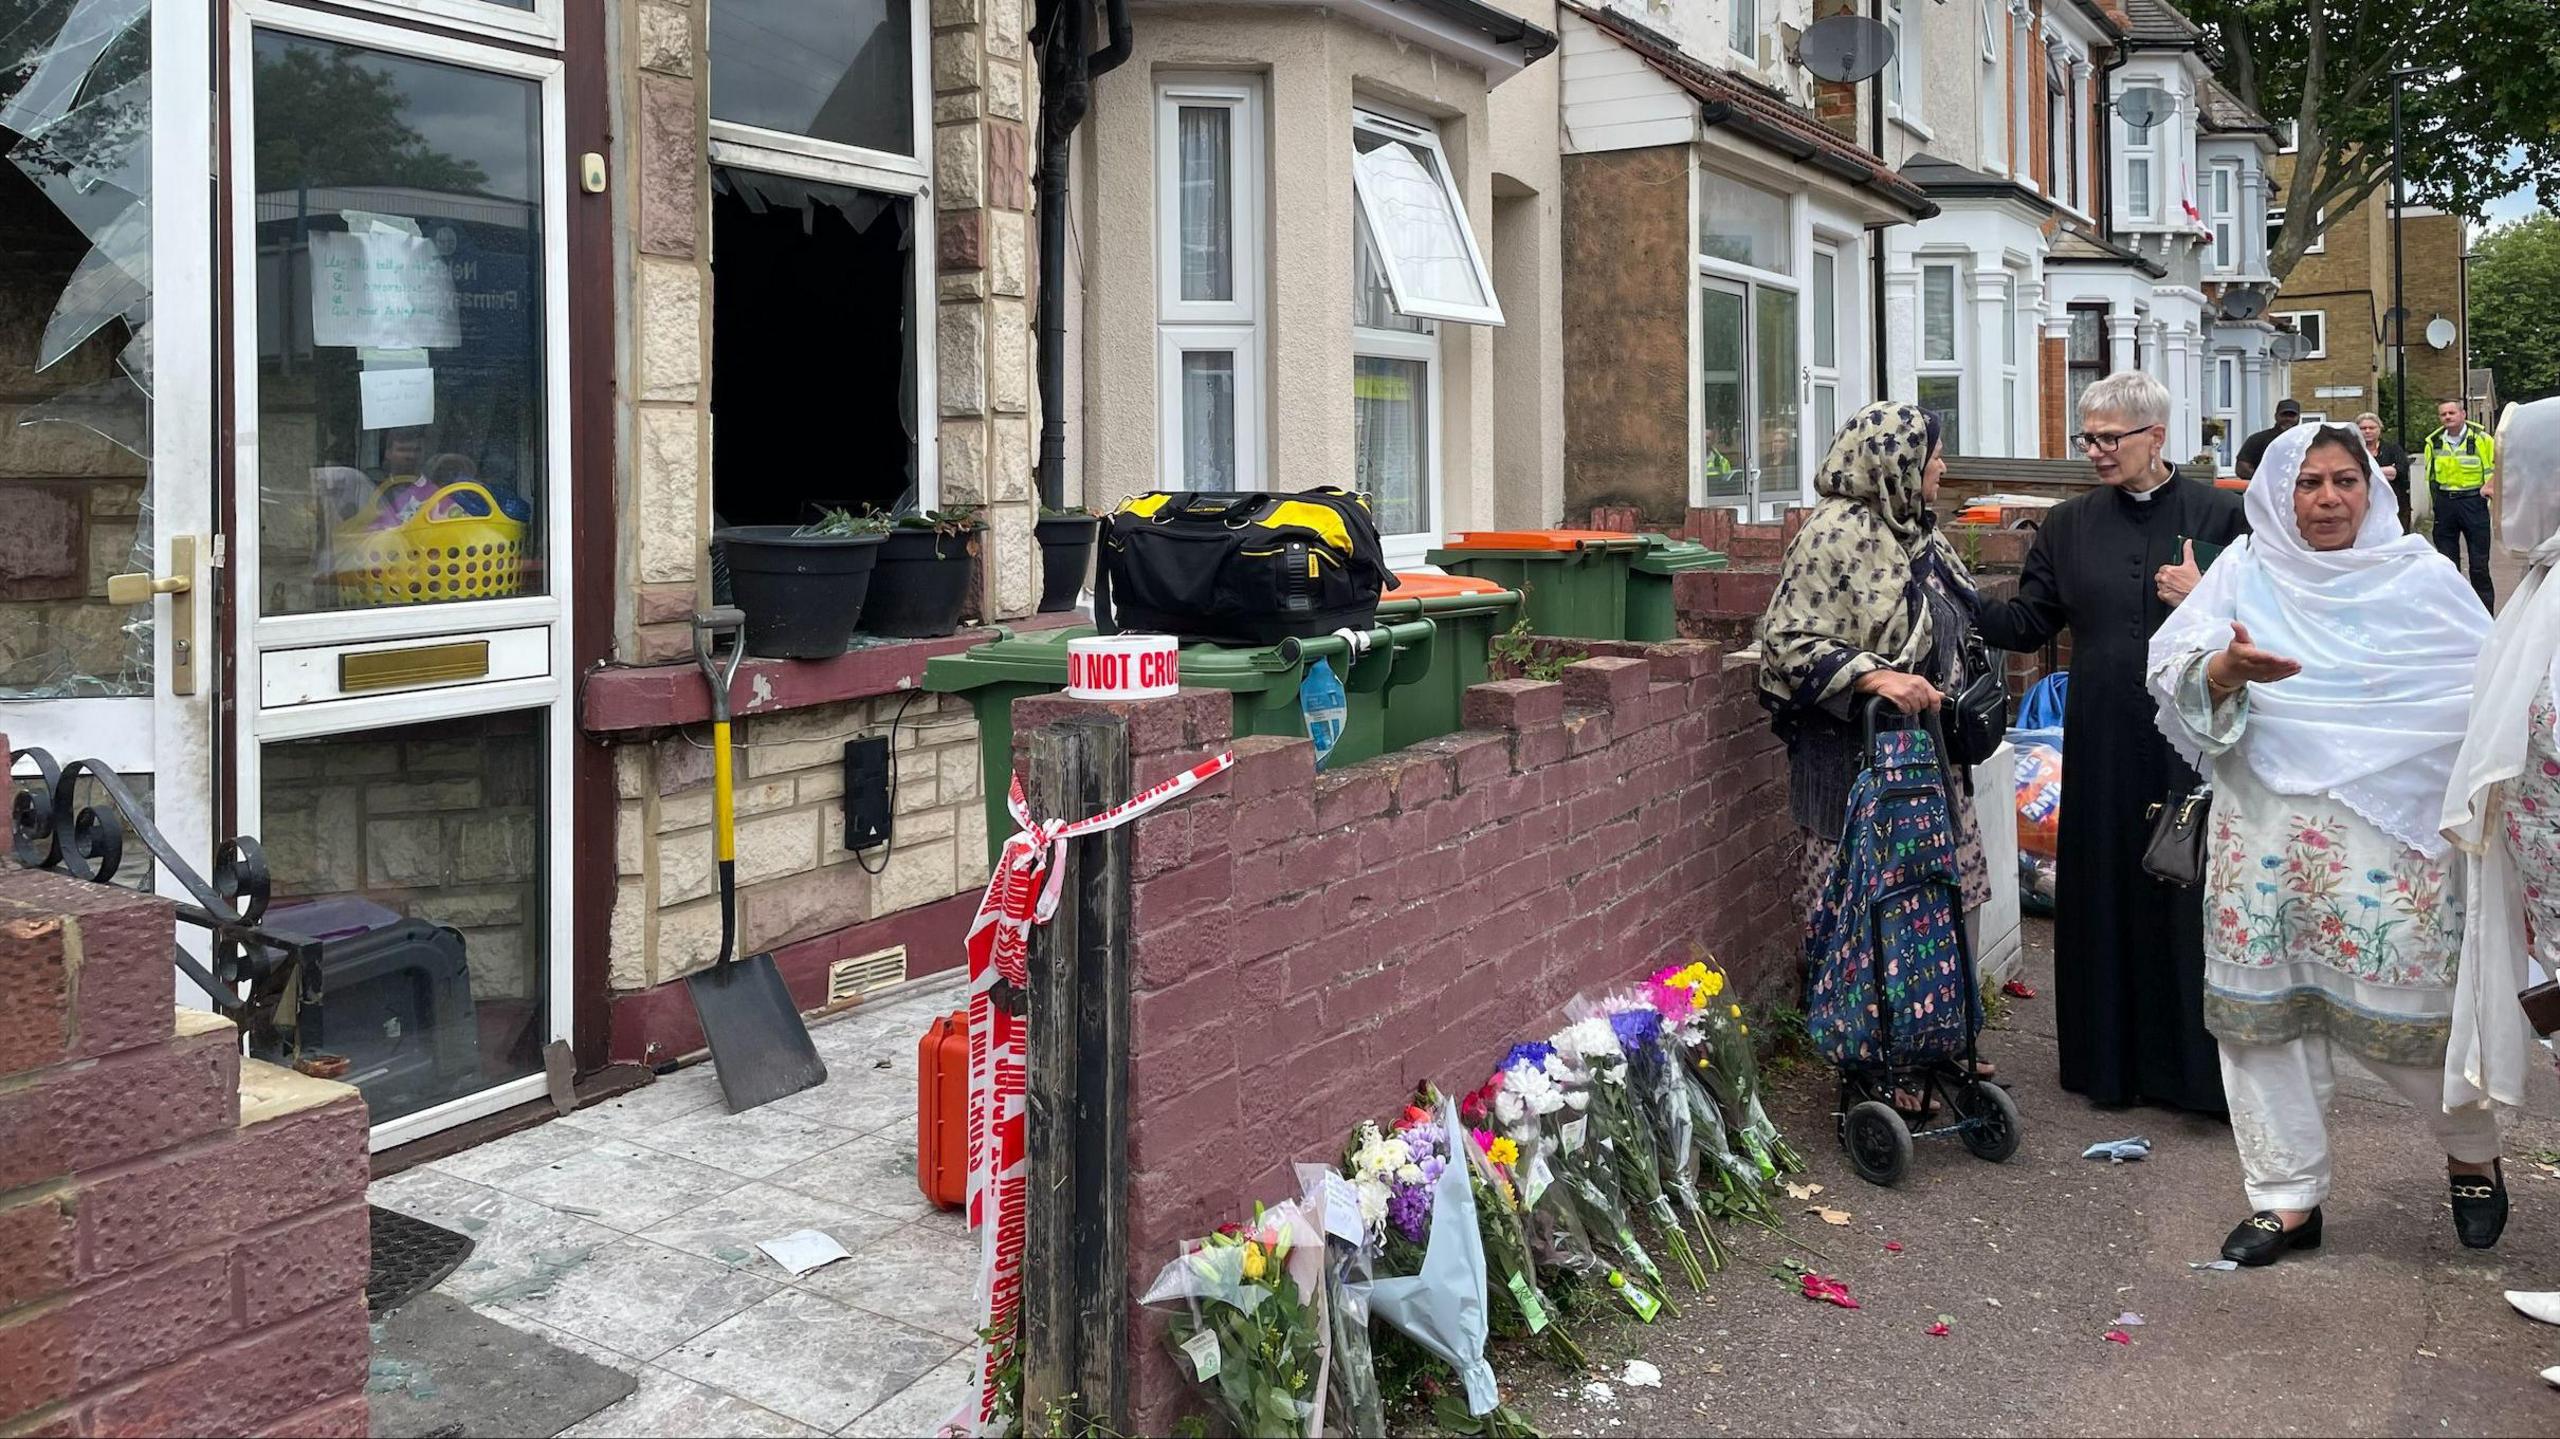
(165, 1268)
(1307, 948)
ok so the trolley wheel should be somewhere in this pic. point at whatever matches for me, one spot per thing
(1878, 1142)
(1993, 1132)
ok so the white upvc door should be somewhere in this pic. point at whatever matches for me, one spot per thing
(88, 670)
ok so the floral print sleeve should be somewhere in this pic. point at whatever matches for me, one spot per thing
(2214, 727)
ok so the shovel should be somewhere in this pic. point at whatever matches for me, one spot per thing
(758, 1041)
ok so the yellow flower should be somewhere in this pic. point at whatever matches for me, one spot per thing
(1503, 1151)
(1735, 1010)
(1253, 1263)
(1712, 982)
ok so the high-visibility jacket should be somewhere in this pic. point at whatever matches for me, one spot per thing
(2460, 465)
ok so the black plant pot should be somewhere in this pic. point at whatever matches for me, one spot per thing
(803, 594)
(922, 584)
(1066, 552)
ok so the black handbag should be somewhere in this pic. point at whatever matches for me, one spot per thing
(2175, 851)
(1981, 719)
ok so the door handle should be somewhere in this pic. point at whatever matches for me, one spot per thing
(180, 586)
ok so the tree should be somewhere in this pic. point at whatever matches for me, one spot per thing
(2515, 307)
(332, 121)
(2325, 65)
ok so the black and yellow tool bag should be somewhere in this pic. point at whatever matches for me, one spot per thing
(1242, 568)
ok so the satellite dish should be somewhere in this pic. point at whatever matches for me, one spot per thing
(2243, 302)
(2144, 107)
(2286, 348)
(2440, 332)
(1845, 49)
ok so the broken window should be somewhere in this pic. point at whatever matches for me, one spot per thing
(813, 348)
(75, 348)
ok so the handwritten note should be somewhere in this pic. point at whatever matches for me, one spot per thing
(394, 399)
(384, 289)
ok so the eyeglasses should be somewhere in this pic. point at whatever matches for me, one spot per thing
(2094, 443)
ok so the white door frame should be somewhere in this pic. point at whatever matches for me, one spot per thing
(255, 636)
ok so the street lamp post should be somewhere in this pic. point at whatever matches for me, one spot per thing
(2399, 317)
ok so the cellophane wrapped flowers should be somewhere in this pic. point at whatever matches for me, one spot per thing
(1585, 1171)
(1654, 1079)
(1521, 1102)
(1246, 1327)
(1620, 1134)
(1520, 1306)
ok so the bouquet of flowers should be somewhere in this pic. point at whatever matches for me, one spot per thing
(1248, 1325)
(1431, 1284)
(1587, 1173)
(1733, 1076)
(1654, 1078)
(1360, 1410)
(1624, 1140)
(1684, 995)
(1514, 1278)
(1514, 1104)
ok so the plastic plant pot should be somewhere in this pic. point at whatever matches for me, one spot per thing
(922, 584)
(804, 594)
(1066, 556)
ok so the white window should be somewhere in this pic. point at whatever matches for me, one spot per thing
(1209, 286)
(2139, 196)
(1909, 45)
(2314, 328)
(1744, 35)
(1941, 377)
(842, 81)
(2226, 409)
(2290, 133)
(1994, 17)
(2011, 375)
(2222, 211)
(1414, 264)
(2275, 227)
(1426, 250)
(1826, 347)
(2022, 92)
(1744, 224)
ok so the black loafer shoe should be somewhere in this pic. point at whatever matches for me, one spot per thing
(2262, 1238)
(2480, 1206)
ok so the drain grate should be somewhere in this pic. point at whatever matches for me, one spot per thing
(409, 1257)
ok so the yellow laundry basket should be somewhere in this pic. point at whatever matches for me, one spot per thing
(427, 560)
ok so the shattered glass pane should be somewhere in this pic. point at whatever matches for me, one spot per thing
(75, 354)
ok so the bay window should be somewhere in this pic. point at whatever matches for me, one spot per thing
(1209, 284)
(2222, 212)
(1941, 373)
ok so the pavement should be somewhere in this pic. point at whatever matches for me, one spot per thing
(626, 1233)
(2391, 1329)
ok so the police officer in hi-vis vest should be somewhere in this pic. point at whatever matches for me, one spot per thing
(2460, 462)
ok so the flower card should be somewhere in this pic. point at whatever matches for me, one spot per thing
(1572, 1136)
(1342, 1210)
(1530, 1309)
(1202, 1348)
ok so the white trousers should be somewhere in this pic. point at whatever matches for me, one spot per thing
(2280, 1095)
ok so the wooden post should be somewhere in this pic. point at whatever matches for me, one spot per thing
(1075, 1306)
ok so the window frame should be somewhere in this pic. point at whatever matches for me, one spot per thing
(1406, 547)
(1949, 368)
(883, 170)
(1426, 137)
(1742, 29)
(1822, 379)
(1910, 51)
(2320, 321)
(1235, 325)
(2142, 203)
(2222, 216)
(540, 25)
(2073, 366)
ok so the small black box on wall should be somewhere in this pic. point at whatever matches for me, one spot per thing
(866, 792)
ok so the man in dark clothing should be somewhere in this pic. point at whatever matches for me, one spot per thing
(2109, 565)
(2388, 458)
(2254, 448)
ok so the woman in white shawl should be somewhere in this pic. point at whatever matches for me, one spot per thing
(2323, 670)
(2503, 809)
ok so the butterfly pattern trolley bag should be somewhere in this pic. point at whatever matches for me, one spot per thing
(1891, 919)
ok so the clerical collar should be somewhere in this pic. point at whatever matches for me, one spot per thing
(2144, 497)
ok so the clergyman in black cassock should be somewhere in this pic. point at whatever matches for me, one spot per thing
(2128, 987)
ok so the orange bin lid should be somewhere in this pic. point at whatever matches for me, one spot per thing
(1537, 539)
(1979, 515)
(1438, 587)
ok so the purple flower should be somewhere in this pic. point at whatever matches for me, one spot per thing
(1637, 1029)
(1409, 1210)
(1533, 1054)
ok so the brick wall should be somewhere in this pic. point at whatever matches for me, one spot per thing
(797, 883)
(1309, 947)
(1628, 266)
(183, 1233)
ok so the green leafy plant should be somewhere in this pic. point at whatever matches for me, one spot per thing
(1069, 512)
(841, 523)
(957, 522)
(1516, 654)
(1786, 1040)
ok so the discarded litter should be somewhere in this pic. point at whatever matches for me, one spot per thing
(1893, 1246)
(2018, 989)
(2119, 1150)
(1599, 1393)
(2118, 1336)
(1938, 1330)
(2213, 1264)
(803, 1251)
(2129, 1320)
(1835, 1217)
(1641, 1375)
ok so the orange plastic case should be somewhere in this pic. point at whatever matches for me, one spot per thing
(942, 1111)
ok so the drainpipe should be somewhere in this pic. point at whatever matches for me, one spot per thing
(1875, 261)
(2119, 55)
(1067, 68)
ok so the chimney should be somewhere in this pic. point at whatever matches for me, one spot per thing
(1835, 103)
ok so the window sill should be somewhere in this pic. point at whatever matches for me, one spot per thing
(623, 699)
(1896, 114)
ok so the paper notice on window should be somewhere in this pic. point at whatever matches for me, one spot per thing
(382, 288)
(396, 399)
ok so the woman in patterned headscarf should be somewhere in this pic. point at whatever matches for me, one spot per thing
(1871, 600)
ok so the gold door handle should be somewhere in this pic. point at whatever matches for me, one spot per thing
(179, 584)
